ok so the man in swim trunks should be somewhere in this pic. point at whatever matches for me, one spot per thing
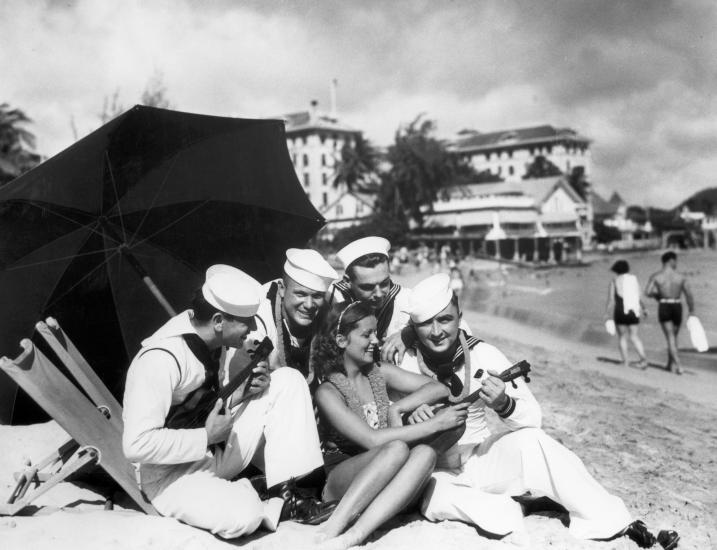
(667, 287)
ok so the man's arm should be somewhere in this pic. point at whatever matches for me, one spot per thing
(688, 296)
(610, 300)
(651, 290)
(151, 379)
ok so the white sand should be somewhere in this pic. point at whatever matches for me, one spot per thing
(649, 437)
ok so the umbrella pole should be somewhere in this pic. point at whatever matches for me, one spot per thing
(147, 280)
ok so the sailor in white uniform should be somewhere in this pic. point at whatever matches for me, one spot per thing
(290, 313)
(485, 470)
(184, 472)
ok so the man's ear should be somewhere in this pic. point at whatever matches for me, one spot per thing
(342, 341)
(218, 322)
(281, 288)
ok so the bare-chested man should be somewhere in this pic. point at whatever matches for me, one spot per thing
(667, 287)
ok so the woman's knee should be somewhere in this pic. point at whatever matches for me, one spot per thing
(394, 451)
(424, 456)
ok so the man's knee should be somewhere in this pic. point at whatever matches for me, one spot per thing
(287, 378)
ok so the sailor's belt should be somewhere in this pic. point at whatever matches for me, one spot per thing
(669, 300)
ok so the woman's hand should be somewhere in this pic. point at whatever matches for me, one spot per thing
(451, 417)
(421, 414)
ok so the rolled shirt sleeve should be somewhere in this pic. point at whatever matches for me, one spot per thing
(151, 382)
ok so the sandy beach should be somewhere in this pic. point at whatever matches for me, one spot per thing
(648, 436)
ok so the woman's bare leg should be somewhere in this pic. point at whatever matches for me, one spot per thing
(622, 342)
(358, 480)
(637, 342)
(401, 491)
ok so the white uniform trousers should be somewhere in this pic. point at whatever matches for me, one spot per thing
(510, 464)
(279, 428)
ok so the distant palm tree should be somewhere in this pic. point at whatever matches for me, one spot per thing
(541, 167)
(16, 144)
(357, 167)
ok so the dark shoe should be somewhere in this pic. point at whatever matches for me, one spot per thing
(307, 510)
(300, 506)
(638, 533)
(668, 539)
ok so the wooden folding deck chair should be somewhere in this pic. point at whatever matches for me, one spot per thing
(95, 424)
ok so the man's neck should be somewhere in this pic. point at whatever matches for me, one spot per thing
(207, 334)
(442, 357)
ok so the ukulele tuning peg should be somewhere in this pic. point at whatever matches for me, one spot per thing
(515, 386)
(527, 378)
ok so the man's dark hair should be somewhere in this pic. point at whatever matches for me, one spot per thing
(367, 260)
(620, 267)
(668, 256)
(203, 310)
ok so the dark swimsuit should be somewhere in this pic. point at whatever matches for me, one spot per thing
(619, 315)
(670, 311)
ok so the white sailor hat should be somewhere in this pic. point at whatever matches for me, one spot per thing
(232, 291)
(308, 268)
(429, 297)
(361, 247)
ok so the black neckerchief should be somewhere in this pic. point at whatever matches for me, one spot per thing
(444, 368)
(384, 313)
(208, 358)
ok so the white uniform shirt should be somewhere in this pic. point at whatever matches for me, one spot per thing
(155, 382)
(484, 356)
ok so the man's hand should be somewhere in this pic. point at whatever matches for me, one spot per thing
(218, 425)
(393, 349)
(451, 417)
(421, 414)
(259, 380)
(493, 390)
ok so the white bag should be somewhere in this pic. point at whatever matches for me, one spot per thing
(610, 327)
(697, 334)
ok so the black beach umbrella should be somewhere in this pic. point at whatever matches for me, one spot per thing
(114, 233)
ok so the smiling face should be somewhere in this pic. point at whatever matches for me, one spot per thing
(440, 333)
(359, 343)
(371, 284)
(301, 304)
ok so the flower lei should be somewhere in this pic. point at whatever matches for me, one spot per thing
(378, 389)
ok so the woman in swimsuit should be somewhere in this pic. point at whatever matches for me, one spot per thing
(627, 318)
(375, 464)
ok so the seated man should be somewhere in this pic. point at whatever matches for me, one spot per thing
(289, 314)
(367, 278)
(189, 474)
(487, 470)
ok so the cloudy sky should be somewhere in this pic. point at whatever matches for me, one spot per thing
(638, 77)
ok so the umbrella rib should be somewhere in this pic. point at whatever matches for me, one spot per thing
(154, 199)
(34, 264)
(200, 205)
(87, 275)
(89, 226)
(114, 188)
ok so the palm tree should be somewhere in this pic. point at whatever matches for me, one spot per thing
(16, 144)
(421, 168)
(357, 167)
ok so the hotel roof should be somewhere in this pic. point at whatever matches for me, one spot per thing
(471, 140)
(303, 121)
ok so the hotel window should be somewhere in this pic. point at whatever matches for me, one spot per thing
(323, 159)
(324, 198)
(306, 160)
(339, 210)
(359, 207)
(307, 179)
(324, 179)
(511, 170)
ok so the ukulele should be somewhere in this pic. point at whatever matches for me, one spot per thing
(444, 440)
(194, 410)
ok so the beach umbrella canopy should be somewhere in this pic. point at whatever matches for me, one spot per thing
(152, 196)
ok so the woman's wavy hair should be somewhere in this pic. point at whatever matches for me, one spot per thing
(342, 318)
